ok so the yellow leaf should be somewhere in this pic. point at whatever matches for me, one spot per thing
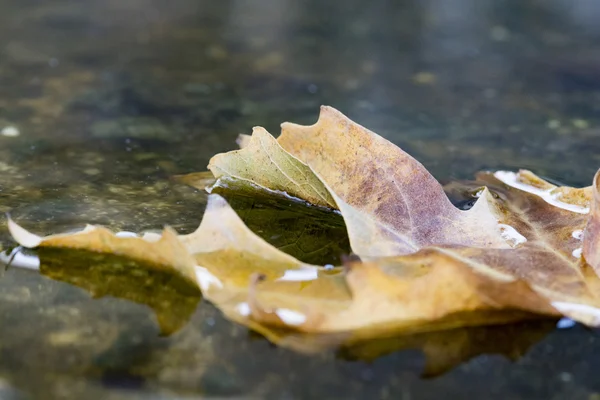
(520, 239)
(424, 264)
(163, 251)
(256, 284)
(229, 255)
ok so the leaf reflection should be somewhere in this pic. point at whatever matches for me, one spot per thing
(445, 350)
(172, 298)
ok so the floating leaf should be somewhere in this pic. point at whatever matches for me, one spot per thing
(162, 251)
(423, 265)
(430, 290)
(515, 249)
(229, 256)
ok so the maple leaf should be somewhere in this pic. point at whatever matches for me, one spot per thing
(313, 235)
(515, 251)
(424, 265)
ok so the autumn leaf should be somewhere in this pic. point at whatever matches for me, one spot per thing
(391, 204)
(160, 251)
(229, 256)
(423, 265)
(548, 222)
(311, 234)
(428, 291)
(256, 284)
(516, 252)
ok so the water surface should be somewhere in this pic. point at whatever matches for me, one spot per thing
(112, 98)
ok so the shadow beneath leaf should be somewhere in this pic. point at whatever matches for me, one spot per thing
(312, 234)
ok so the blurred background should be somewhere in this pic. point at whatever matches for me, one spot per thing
(102, 101)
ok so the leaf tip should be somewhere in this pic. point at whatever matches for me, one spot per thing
(21, 235)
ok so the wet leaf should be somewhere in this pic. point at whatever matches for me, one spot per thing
(547, 224)
(430, 290)
(160, 251)
(230, 257)
(423, 265)
(515, 251)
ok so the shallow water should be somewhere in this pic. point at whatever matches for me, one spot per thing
(113, 98)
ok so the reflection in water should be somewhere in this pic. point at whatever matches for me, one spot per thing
(446, 350)
(314, 235)
(173, 298)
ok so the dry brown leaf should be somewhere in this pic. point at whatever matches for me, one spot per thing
(426, 265)
(391, 204)
(519, 251)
